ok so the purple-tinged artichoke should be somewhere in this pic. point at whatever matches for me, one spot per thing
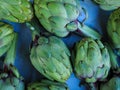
(91, 60)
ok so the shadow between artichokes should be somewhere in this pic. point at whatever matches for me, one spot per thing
(47, 85)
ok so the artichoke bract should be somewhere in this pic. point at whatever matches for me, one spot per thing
(51, 58)
(6, 37)
(15, 10)
(113, 29)
(112, 84)
(47, 85)
(91, 60)
(108, 4)
(61, 16)
(11, 80)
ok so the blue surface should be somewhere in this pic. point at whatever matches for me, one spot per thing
(97, 20)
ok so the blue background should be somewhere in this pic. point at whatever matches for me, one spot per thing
(97, 20)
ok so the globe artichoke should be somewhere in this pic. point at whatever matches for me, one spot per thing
(91, 60)
(108, 4)
(50, 57)
(60, 17)
(47, 85)
(15, 10)
(112, 84)
(9, 76)
(11, 80)
(6, 37)
(113, 29)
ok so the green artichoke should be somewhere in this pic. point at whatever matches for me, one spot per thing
(108, 4)
(47, 85)
(91, 60)
(50, 57)
(112, 84)
(6, 37)
(61, 16)
(11, 80)
(9, 77)
(113, 29)
(15, 10)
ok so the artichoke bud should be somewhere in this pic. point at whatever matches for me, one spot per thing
(112, 84)
(92, 61)
(6, 37)
(51, 58)
(10, 79)
(113, 29)
(16, 10)
(47, 85)
(56, 15)
(108, 4)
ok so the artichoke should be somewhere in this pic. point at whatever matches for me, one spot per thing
(47, 85)
(91, 60)
(50, 57)
(15, 10)
(11, 80)
(108, 4)
(113, 29)
(6, 37)
(112, 84)
(61, 16)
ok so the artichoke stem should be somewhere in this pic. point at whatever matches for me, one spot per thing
(86, 31)
(113, 60)
(10, 57)
(92, 86)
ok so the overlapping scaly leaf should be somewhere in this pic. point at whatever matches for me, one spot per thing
(15, 10)
(6, 37)
(113, 29)
(108, 4)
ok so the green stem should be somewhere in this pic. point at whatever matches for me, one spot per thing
(88, 32)
(11, 53)
(113, 59)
